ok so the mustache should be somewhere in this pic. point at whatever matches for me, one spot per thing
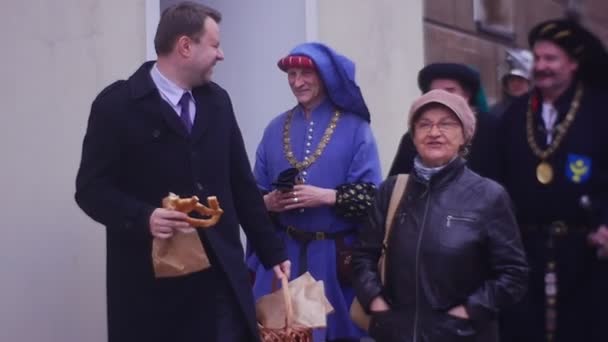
(543, 73)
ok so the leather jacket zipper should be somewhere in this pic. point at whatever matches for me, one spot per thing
(418, 245)
(451, 218)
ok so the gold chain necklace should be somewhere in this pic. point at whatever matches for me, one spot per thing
(329, 131)
(544, 170)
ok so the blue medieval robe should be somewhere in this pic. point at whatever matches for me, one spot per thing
(351, 156)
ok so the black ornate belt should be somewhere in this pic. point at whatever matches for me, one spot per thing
(305, 238)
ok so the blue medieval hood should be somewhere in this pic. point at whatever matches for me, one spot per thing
(338, 75)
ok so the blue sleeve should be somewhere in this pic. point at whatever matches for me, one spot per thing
(365, 165)
(260, 169)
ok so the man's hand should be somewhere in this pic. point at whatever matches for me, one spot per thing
(599, 239)
(301, 196)
(273, 202)
(163, 222)
(282, 270)
(459, 311)
(308, 196)
(378, 304)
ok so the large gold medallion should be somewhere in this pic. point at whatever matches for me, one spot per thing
(544, 173)
(544, 170)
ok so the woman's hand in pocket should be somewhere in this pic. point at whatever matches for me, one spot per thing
(459, 312)
(378, 304)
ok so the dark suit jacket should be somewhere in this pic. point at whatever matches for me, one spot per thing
(135, 152)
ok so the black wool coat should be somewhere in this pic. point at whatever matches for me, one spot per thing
(135, 152)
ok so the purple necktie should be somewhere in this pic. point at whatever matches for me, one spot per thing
(184, 103)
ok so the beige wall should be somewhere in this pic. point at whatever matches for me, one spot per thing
(385, 39)
(57, 56)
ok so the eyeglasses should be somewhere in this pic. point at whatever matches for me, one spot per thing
(442, 126)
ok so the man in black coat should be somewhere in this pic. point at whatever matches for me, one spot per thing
(462, 80)
(554, 163)
(168, 128)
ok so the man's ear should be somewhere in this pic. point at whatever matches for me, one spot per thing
(575, 65)
(183, 46)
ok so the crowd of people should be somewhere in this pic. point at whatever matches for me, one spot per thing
(501, 233)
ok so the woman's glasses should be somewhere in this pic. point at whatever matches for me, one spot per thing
(444, 126)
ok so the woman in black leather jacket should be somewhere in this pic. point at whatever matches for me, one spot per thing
(454, 255)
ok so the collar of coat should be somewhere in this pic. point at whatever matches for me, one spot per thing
(445, 176)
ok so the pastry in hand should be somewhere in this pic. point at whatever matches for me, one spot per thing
(190, 204)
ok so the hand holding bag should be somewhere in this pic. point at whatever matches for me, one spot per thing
(288, 333)
(183, 253)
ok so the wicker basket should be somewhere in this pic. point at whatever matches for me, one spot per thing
(288, 333)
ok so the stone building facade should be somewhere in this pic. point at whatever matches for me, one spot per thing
(452, 33)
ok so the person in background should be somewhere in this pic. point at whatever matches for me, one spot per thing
(318, 167)
(552, 155)
(516, 81)
(464, 81)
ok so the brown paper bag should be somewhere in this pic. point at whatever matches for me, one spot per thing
(287, 332)
(310, 305)
(184, 253)
(308, 302)
(179, 255)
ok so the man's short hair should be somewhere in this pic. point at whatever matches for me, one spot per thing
(184, 19)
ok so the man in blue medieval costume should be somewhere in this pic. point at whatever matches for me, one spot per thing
(318, 165)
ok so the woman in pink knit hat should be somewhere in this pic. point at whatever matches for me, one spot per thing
(453, 254)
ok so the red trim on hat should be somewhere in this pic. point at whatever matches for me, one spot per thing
(296, 62)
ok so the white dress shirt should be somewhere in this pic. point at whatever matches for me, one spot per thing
(171, 92)
(549, 114)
